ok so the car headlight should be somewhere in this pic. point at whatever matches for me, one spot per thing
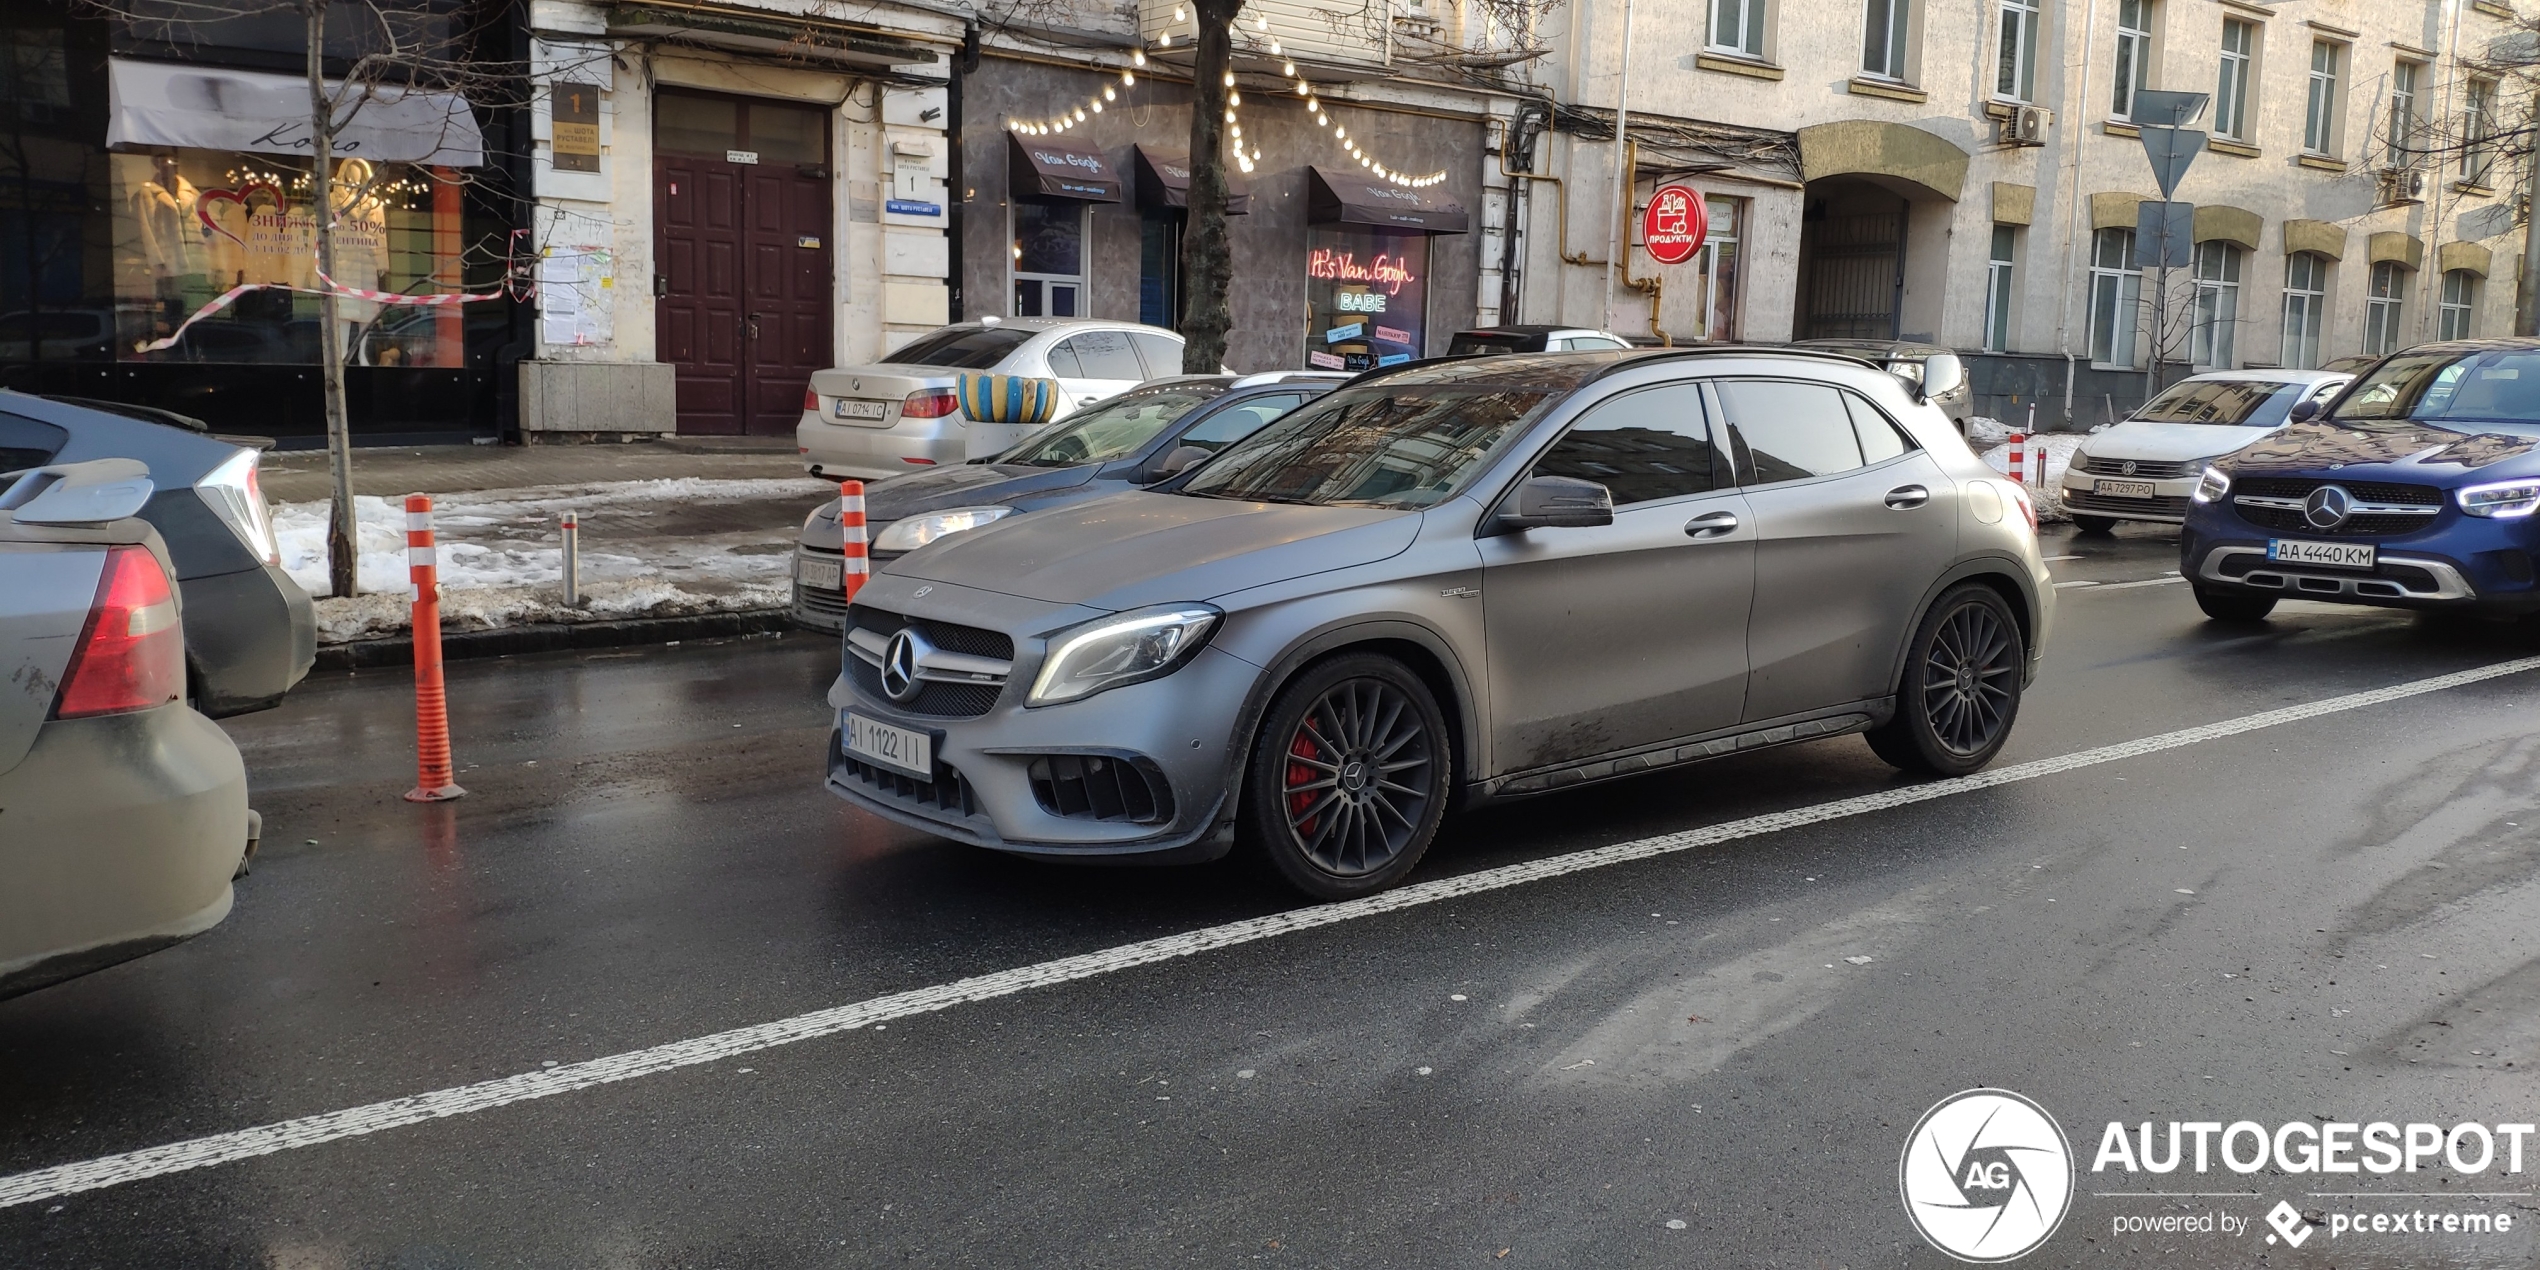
(1124, 648)
(826, 511)
(2501, 500)
(913, 532)
(2211, 486)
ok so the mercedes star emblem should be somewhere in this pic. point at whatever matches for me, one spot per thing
(2328, 507)
(899, 664)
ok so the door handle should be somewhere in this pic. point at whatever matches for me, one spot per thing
(1905, 497)
(753, 321)
(1711, 525)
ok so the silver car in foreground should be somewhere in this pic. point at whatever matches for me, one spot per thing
(123, 811)
(1452, 582)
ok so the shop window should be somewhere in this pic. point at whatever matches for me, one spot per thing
(2116, 288)
(2217, 315)
(1715, 271)
(1049, 259)
(2383, 300)
(2305, 308)
(2460, 301)
(1367, 297)
(190, 225)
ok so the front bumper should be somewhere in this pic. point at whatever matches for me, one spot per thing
(2167, 506)
(2458, 562)
(1180, 732)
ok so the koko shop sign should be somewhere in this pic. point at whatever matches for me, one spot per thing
(1674, 224)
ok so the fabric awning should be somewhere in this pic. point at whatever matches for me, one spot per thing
(1341, 198)
(1054, 167)
(1164, 180)
(212, 108)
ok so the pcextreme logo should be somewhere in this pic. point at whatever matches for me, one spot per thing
(1986, 1176)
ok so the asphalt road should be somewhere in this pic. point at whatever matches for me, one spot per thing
(1666, 1061)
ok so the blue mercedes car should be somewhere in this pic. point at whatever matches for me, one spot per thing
(2415, 488)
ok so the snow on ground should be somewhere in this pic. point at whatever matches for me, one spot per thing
(658, 549)
(1994, 438)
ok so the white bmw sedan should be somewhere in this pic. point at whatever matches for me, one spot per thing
(2145, 467)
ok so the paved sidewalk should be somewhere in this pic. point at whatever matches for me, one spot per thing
(297, 476)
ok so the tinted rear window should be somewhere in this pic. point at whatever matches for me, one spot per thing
(26, 442)
(2239, 403)
(960, 347)
(2491, 387)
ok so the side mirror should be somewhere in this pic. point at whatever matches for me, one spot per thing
(1182, 459)
(2304, 410)
(1557, 502)
(1943, 376)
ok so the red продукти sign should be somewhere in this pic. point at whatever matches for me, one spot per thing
(1674, 224)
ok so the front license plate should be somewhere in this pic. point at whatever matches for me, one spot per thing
(896, 748)
(2124, 489)
(2336, 555)
(817, 573)
(862, 409)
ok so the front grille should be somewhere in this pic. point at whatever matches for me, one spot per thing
(951, 638)
(822, 601)
(1098, 787)
(2145, 469)
(2075, 501)
(2299, 487)
(940, 698)
(2287, 519)
(948, 792)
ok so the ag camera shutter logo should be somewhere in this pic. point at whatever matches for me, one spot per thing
(1987, 1175)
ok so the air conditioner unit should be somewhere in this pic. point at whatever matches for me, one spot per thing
(2027, 125)
(2402, 185)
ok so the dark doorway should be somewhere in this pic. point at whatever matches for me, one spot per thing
(1160, 269)
(1851, 262)
(742, 226)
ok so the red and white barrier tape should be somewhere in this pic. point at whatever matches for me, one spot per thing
(326, 284)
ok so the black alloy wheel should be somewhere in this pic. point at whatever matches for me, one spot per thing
(1961, 687)
(1348, 777)
(2234, 606)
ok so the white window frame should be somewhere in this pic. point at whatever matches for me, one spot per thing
(2000, 277)
(2385, 306)
(2305, 310)
(2116, 300)
(2015, 49)
(1016, 276)
(2478, 127)
(2213, 333)
(2404, 78)
(2133, 65)
(2320, 101)
(1706, 268)
(2455, 316)
(1890, 21)
(2231, 87)
(1748, 40)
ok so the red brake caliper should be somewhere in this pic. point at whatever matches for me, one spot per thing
(1298, 775)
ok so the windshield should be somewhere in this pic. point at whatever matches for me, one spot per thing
(1113, 428)
(1402, 446)
(959, 347)
(2492, 387)
(2236, 403)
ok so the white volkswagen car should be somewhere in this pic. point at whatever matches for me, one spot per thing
(2145, 467)
(903, 414)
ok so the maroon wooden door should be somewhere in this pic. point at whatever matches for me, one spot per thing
(742, 237)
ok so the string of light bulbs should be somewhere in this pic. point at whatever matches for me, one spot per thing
(1247, 156)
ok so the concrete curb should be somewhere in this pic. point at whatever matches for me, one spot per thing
(548, 637)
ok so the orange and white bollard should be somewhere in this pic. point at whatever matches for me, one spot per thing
(432, 708)
(2019, 459)
(858, 565)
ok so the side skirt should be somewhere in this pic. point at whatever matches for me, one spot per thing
(1859, 716)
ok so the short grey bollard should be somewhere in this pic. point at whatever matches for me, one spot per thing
(572, 526)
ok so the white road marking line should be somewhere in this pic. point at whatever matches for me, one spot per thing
(353, 1122)
(2053, 559)
(2063, 586)
(2122, 586)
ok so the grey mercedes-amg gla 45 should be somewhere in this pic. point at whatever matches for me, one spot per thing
(1452, 582)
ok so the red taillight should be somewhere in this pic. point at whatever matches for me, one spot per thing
(930, 403)
(920, 462)
(811, 400)
(132, 654)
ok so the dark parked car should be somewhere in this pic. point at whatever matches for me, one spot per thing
(1138, 437)
(250, 633)
(2415, 488)
(1462, 580)
(1905, 359)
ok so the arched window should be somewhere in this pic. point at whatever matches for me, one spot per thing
(2452, 318)
(2305, 308)
(2210, 342)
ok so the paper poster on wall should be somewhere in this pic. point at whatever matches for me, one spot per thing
(575, 282)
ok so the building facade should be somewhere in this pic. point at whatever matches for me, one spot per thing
(1968, 172)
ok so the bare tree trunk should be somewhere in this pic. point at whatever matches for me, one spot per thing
(343, 558)
(1207, 264)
